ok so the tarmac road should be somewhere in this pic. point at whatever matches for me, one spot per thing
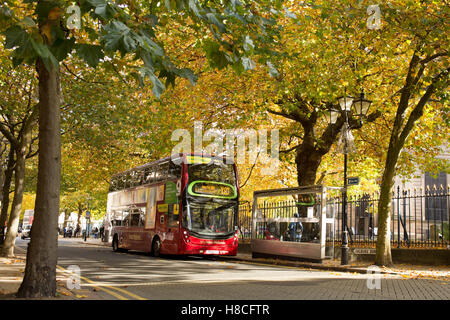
(138, 276)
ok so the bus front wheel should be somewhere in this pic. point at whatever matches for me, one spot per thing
(156, 247)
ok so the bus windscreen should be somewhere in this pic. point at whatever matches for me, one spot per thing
(211, 217)
(215, 170)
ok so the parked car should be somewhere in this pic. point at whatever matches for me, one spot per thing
(26, 232)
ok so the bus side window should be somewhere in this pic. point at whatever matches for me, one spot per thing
(141, 177)
(142, 217)
(174, 171)
(120, 182)
(149, 174)
(136, 178)
(127, 180)
(126, 219)
(113, 184)
(161, 172)
(117, 218)
(132, 178)
(134, 222)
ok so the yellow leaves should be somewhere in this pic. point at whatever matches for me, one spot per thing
(55, 13)
(46, 30)
(13, 261)
(79, 296)
(53, 16)
(65, 293)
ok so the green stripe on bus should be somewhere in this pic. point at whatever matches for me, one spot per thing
(191, 192)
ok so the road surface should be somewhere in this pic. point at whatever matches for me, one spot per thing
(137, 276)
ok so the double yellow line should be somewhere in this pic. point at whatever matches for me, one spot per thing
(105, 288)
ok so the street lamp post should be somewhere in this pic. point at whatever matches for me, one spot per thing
(361, 107)
(345, 103)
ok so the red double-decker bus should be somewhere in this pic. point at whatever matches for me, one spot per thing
(185, 204)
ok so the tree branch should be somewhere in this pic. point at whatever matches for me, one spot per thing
(418, 110)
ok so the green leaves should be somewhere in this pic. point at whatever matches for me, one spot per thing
(118, 37)
(216, 58)
(91, 54)
(158, 86)
(28, 48)
(44, 53)
(62, 47)
(130, 29)
(28, 22)
(15, 37)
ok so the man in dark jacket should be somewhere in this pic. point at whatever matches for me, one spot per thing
(295, 230)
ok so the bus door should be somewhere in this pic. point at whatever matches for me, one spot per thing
(161, 226)
(135, 231)
(167, 225)
(123, 234)
(173, 227)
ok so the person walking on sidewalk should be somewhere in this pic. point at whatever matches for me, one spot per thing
(102, 231)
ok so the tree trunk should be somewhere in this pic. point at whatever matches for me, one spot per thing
(40, 271)
(383, 250)
(19, 175)
(5, 192)
(402, 128)
(308, 162)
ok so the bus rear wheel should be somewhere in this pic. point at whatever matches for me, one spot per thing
(156, 247)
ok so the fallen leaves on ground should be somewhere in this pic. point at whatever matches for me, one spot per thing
(13, 261)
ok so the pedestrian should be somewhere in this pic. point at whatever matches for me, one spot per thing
(77, 231)
(65, 231)
(295, 230)
(102, 231)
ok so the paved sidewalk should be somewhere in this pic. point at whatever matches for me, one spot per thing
(403, 270)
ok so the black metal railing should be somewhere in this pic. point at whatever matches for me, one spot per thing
(419, 218)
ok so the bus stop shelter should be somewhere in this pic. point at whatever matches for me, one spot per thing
(297, 228)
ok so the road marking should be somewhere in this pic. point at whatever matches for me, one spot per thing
(118, 296)
(270, 265)
(100, 287)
